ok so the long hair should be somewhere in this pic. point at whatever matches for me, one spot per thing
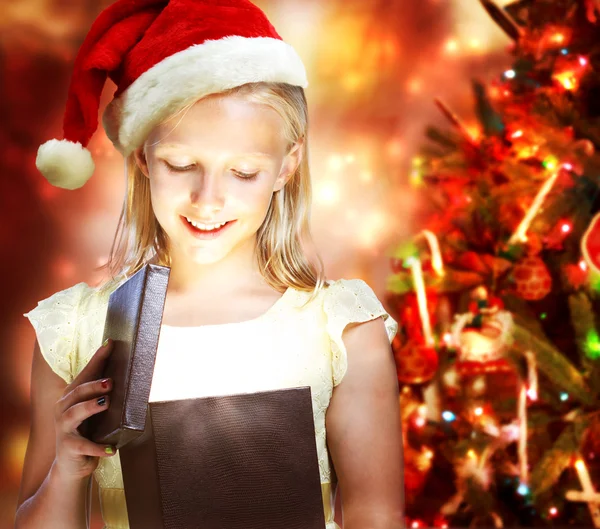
(283, 242)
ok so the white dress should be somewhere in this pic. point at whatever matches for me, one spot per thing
(288, 346)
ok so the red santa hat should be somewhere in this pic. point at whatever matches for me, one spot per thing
(161, 55)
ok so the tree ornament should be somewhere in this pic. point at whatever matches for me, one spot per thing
(532, 278)
(482, 335)
(590, 244)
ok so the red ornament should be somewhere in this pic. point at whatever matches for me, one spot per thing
(532, 278)
(416, 362)
(590, 244)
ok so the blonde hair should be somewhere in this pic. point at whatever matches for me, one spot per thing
(281, 239)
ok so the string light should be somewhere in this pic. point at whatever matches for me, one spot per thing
(448, 416)
(523, 489)
(566, 227)
(510, 74)
(583, 265)
(592, 345)
(479, 411)
(564, 396)
(565, 51)
(553, 511)
(517, 134)
(550, 162)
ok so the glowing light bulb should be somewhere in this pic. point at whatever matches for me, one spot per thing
(550, 163)
(523, 489)
(553, 511)
(471, 453)
(510, 74)
(564, 396)
(566, 227)
(448, 416)
(517, 134)
(532, 394)
(420, 422)
(583, 265)
(478, 411)
(583, 61)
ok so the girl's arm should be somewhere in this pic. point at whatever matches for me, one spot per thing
(47, 498)
(364, 432)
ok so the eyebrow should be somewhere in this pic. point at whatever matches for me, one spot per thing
(172, 147)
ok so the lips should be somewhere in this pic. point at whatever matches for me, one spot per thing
(205, 234)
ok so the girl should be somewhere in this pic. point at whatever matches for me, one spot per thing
(211, 116)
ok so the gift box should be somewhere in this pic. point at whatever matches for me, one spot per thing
(245, 461)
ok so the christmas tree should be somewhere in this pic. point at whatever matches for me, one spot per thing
(498, 355)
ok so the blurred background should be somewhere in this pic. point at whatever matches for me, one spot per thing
(374, 69)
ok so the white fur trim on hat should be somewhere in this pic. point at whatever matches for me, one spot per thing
(200, 70)
(64, 163)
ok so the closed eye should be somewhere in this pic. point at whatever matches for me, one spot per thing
(246, 176)
(179, 169)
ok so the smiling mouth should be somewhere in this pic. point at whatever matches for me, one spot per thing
(205, 226)
(206, 230)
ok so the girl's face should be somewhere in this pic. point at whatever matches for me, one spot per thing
(219, 162)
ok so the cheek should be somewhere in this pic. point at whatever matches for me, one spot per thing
(252, 198)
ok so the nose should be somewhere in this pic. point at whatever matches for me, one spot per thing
(207, 194)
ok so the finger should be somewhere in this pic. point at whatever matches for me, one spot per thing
(83, 392)
(93, 369)
(77, 413)
(82, 446)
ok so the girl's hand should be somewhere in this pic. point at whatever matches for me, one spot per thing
(77, 457)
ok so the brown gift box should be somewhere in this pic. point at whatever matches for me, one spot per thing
(245, 461)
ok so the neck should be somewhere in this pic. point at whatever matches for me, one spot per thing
(238, 269)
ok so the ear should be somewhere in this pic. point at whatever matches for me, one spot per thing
(290, 164)
(140, 160)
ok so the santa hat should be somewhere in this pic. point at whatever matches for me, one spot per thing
(161, 55)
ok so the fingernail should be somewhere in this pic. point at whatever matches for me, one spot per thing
(109, 450)
(101, 401)
(104, 383)
(105, 343)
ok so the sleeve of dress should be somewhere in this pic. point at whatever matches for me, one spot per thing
(55, 323)
(351, 301)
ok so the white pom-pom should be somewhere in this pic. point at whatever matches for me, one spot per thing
(64, 163)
